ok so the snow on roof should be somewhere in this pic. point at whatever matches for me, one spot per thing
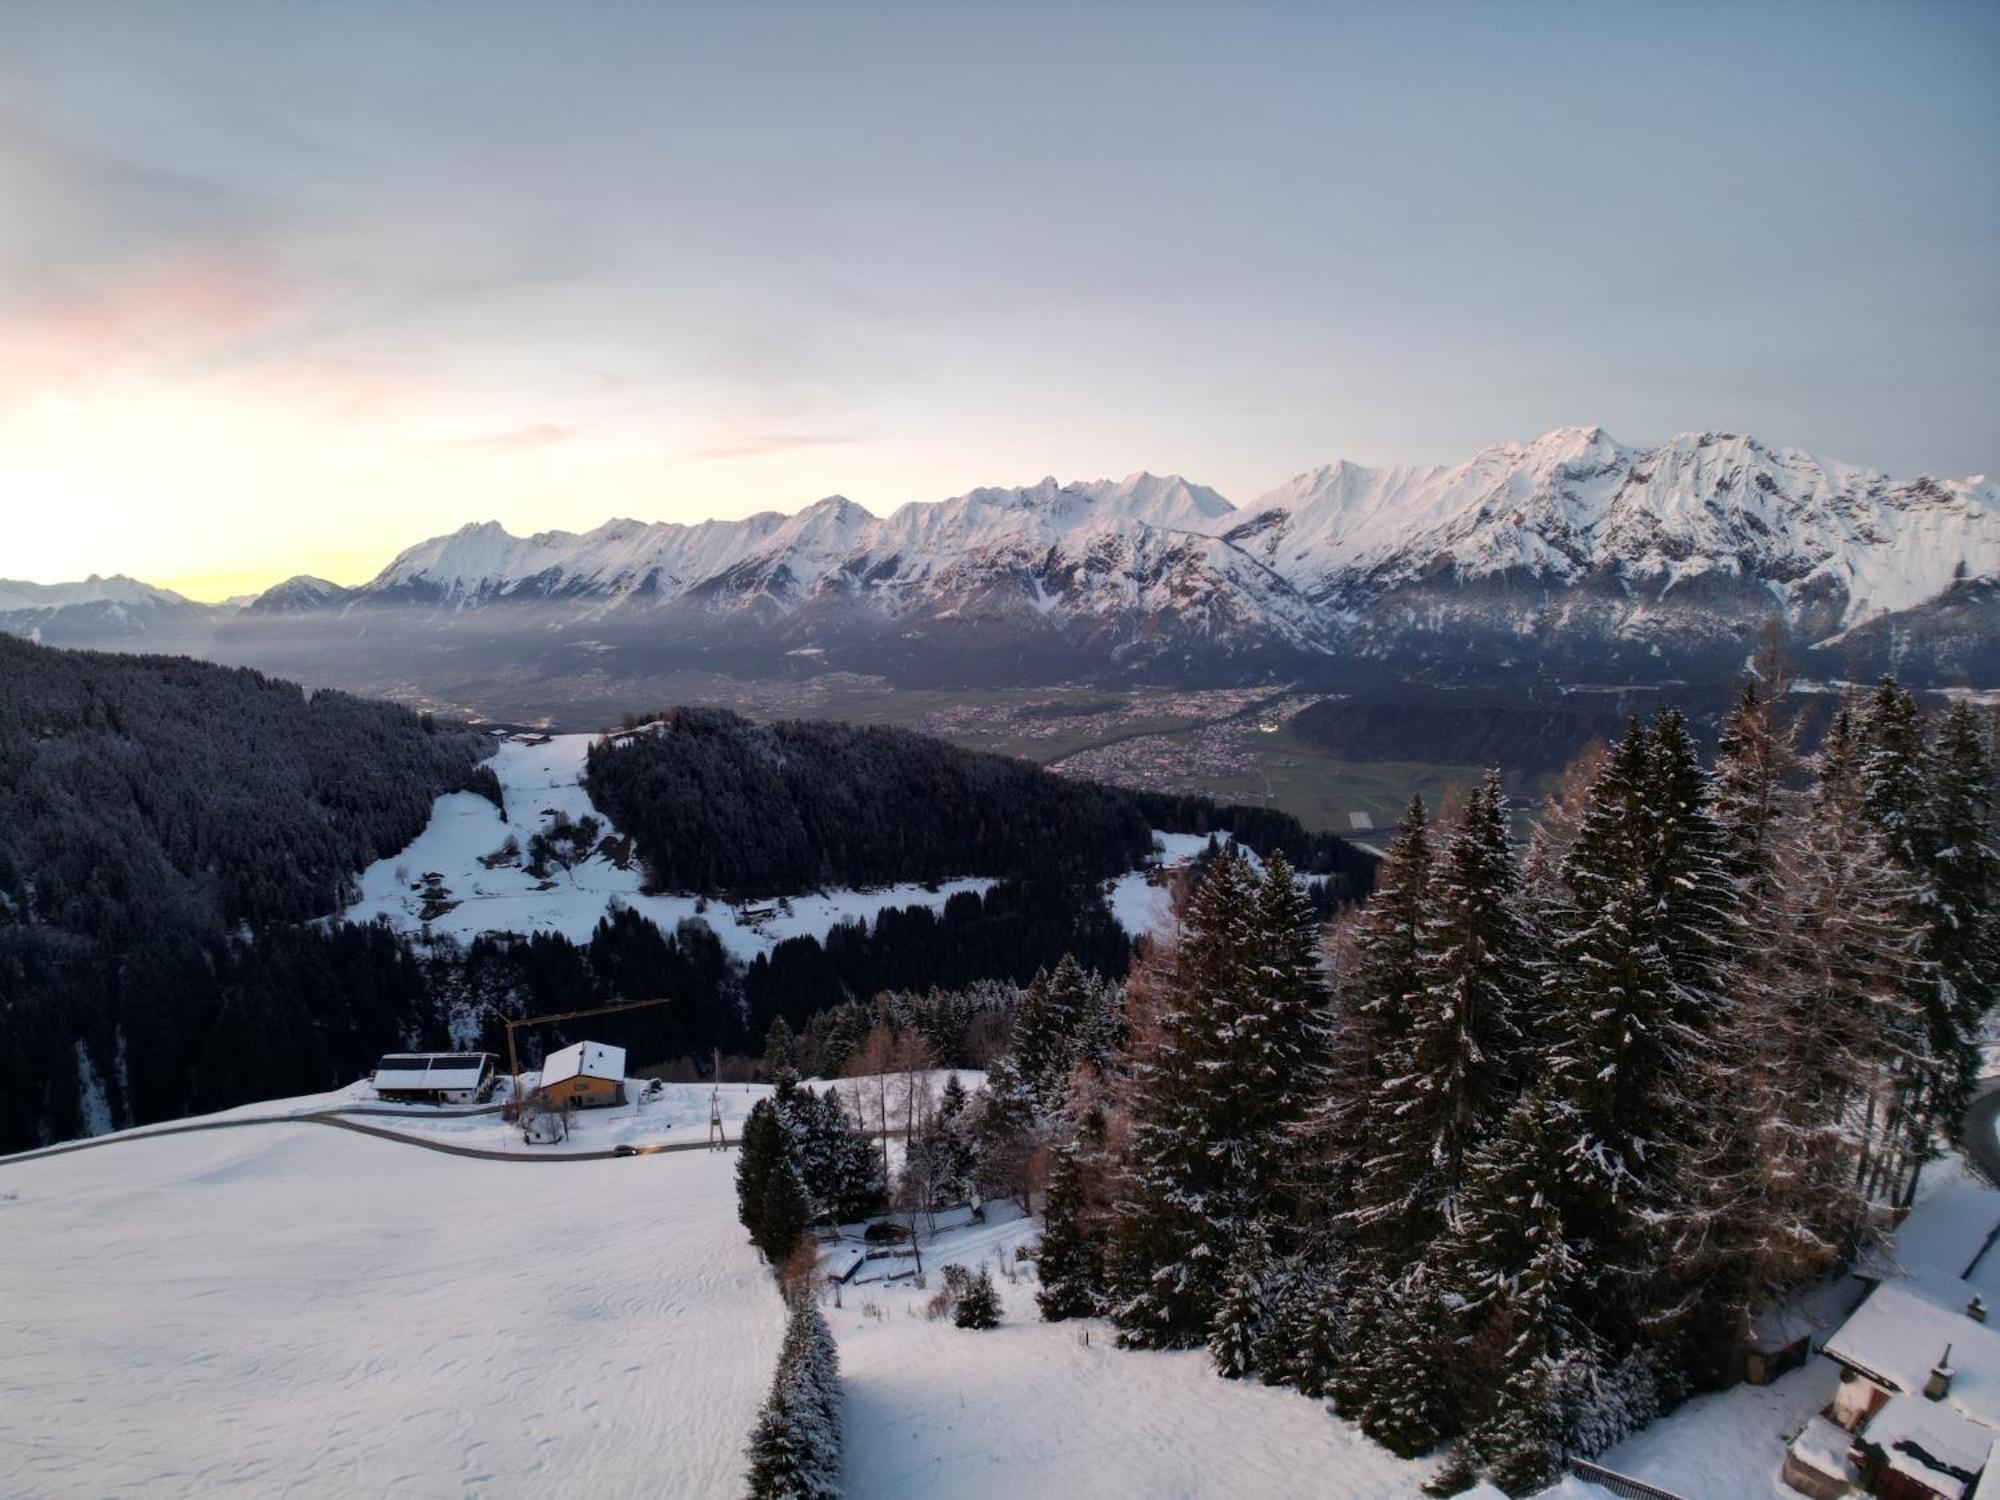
(584, 1060)
(431, 1070)
(1901, 1331)
(1823, 1445)
(1930, 1442)
(1823, 1305)
(1944, 1235)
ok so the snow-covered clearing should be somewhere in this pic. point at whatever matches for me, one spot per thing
(1029, 1408)
(1727, 1446)
(1143, 902)
(297, 1311)
(539, 780)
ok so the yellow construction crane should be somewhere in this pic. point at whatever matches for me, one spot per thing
(513, 1056)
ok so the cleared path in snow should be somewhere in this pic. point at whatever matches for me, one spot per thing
(1982, 1131)
(299, 1312)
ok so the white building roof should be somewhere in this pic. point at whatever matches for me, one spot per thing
(431, 1070)
(1945, 1234)
(1902, 1330)
(584, 1060)
(1928, 1442)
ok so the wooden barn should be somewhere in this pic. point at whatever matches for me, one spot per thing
(435, 1077)
(587, 1075)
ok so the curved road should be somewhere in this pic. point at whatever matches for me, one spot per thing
(340, 1121)
(1982, 1143)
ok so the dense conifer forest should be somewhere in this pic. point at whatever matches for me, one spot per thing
(152, 809)
(173, 832)
(716, 803)
(1516, 1155)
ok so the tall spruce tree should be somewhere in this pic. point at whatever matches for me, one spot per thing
(1633, 1005)
(1371, 1003)
(1201, 1139)
(1070, 1263)
(1965, 872)
(1455, 1068)
(1897, 792)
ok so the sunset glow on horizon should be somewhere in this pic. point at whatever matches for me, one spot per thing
(288, 288)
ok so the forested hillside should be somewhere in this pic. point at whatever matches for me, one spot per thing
(172, 834)
(152, 807)
(716, 803)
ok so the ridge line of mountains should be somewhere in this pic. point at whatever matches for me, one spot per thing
(1570, 558)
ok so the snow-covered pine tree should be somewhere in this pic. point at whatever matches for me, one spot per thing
(979, 1304)
(762, 1147)
(778, 1048)
(1306, 1334)
(1516, 1285)
(1185, 1195)
(795, 1444)
(1632, 1004)
(1243, 1317)
(1070, 1263)
(1755, 762)
(1371, 1002)
(1008, 1135)
(1895, 780)
(1456, 1067)
(1048, 1030)
(1694, 897)
(786, 1210)
(1965, 872)
(1282, 1054)
(1896, 784)
(1867, 980)
(1390, 1379)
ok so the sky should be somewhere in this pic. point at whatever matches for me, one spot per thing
(287, 287)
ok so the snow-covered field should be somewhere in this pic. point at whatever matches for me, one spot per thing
(291, 1310)
(1030, 1408)
(539, 783)
(296, 1311)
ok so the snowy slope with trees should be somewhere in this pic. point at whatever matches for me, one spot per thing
(545, 859)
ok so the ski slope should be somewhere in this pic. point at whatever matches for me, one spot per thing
(540, 781)
(292, 1311)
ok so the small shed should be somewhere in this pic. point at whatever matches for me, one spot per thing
(585, 1075)
(434, 1077)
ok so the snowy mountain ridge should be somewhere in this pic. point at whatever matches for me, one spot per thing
(1576, 501)
(1572, 556)
(1334, 557)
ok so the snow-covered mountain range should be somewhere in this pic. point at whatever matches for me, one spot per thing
(1569, 555)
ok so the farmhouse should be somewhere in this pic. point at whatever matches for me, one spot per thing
(1917, 1412)
(584, 1075)
(434, 1077)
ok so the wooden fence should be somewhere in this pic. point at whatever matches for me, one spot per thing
(1619, 1484)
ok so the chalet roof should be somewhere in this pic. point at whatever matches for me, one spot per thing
(1945, 1234)
(584, 1060)
(1930, 1442)
(431, 1070)
(1902, 1330)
